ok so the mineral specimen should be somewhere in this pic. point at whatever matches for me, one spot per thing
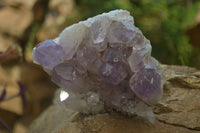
(103, 62)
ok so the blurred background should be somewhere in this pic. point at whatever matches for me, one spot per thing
(25, 90)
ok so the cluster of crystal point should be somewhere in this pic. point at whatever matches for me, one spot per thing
(104, 61)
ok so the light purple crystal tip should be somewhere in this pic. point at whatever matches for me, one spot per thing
(48, 54)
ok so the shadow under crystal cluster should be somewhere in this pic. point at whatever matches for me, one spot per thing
(104, 61)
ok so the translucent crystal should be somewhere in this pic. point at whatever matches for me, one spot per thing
(71, 38)
(121, 32)
(104, 61)
(113, 55)
(138, 40)
(75, 102)
(66, 75)
(99, 46)
(112, 73)
(146, 85)
(139, 58)
(124, 100)
(98, 30)
(48, 54)
(88, 57)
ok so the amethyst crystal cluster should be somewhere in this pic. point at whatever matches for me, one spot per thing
(103, 62)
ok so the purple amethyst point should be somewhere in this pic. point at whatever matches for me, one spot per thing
(146, 84)
(48, 54)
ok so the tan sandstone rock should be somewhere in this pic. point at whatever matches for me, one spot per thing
(177, 112)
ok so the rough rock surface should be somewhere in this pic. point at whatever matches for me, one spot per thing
(177, 112)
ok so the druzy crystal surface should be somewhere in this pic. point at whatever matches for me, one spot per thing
(103, 63)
